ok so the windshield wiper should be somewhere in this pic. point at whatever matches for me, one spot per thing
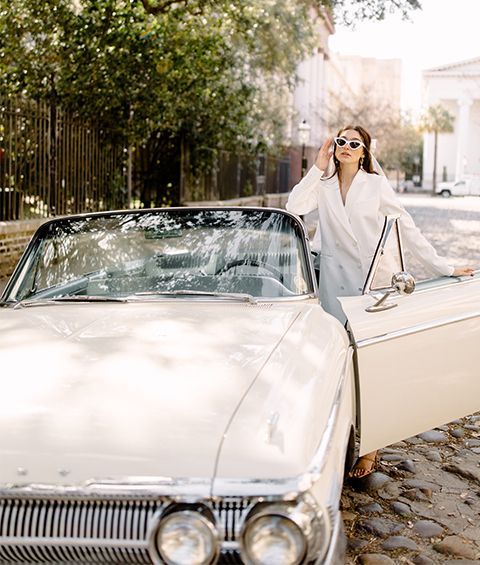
(68, 298)
(244, 297)
(68, 288)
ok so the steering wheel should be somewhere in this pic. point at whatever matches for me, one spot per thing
(254, 263)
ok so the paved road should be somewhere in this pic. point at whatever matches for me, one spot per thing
(423, 505)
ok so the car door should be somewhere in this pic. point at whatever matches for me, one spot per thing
(418, 354)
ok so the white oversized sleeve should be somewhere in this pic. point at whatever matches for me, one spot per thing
(412, 237)
(303, 198)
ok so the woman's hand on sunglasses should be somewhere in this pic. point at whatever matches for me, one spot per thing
(326, 151)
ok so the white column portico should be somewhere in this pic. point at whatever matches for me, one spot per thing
(464, 104)
(455, 87)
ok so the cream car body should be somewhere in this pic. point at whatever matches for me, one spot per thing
(199, 404)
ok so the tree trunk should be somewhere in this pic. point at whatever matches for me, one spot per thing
(434, 179)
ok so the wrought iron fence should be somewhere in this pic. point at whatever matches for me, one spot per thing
(235, 176)
(52, 163)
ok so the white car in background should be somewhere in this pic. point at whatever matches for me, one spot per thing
(174, 393)
(464, 187)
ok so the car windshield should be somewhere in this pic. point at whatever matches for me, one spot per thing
(179, 252)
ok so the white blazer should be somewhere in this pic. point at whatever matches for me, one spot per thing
(349, 233)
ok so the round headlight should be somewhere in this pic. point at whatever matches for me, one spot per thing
(273, 538)
(187, 537)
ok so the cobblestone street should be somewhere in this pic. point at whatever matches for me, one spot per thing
(452, 225)
(423, 504)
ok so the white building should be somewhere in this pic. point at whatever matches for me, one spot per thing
(457, 88)
(309, 97)
(352, 78)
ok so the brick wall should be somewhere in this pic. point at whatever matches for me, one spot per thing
(14, 237)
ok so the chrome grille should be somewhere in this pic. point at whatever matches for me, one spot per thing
(73, 531)
(78, 530)
(230, 513)
(230, 557)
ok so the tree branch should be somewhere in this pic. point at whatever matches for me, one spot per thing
(161, 7)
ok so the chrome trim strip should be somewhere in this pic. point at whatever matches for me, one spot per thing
(73, 542)
(123, 487)
(306, 247)
(387, 228)
(338, 544)
(454, 280)
(294, 297)
(400, 244)
(230, 546)
(414, 330)
(255, 300)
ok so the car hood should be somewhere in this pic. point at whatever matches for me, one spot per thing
(136, 389)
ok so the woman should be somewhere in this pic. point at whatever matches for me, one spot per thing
(352, 203)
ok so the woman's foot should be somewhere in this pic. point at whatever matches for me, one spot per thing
(365, 466)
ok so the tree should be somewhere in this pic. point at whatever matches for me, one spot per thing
(436, 119)
(196, 73)
(165, 61)
(199, 68)
(351, 11)
(348, 11)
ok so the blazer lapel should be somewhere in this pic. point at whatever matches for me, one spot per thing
(355, 191)
(336, 205)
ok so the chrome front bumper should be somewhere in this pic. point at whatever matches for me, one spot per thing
(338, 544)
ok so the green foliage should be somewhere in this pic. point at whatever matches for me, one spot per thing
(349, 12)
(437, 119)
(402, 149)
(199, 70)
(205, 73)
(346, 11)
(32, 46)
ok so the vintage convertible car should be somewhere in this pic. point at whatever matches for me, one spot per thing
(173, 392)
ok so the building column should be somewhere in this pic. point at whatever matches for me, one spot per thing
(464, 104)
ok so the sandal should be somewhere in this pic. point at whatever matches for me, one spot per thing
(366, 465)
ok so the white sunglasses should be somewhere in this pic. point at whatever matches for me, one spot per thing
(354, 144)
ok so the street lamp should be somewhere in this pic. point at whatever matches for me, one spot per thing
(304, 137)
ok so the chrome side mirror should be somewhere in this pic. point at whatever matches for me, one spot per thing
(403, 283)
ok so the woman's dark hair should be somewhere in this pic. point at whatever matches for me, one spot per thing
(367, 164)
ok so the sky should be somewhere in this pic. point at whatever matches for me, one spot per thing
(444, 31)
